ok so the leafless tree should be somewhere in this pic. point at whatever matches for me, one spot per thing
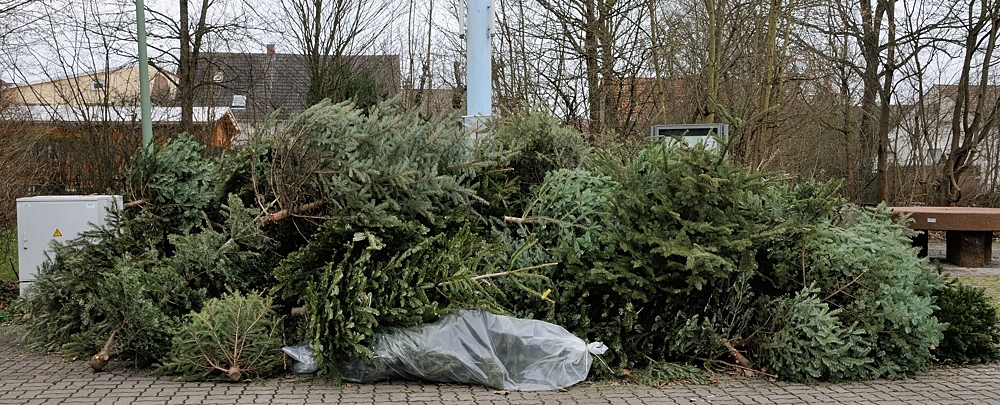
(871, 30)
(70, 54)
(13, 16)
(185, 40)
(975, 112)
(329, 32)
(580, 54)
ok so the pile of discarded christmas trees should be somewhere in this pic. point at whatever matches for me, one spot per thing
(360, 221)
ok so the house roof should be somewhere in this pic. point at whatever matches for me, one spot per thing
(271, 81)
(950, 91)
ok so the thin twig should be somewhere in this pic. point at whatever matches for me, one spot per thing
(843, 287)
(515, 220)
(491, 275)
(804, 268)
(774, 376)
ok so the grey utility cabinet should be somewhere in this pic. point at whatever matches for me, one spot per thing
(692, 134)
(43, 219)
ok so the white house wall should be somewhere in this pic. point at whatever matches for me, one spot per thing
(910, 148)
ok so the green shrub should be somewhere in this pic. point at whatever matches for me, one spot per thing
(12, 311)
(973, 334)
(862, 263)
(379, 163)
(669, 255)
(533, 144)
(235, 337)
(569, 213)
(678, 255)
(654, 255)
(684, 249)
(540, 145)
(8, 255)
(354, 281)
(177, 184)
(10, 290)
(390, 186)
(75, 306)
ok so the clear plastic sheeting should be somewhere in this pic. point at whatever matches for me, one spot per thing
(303, 360)
(477, 347)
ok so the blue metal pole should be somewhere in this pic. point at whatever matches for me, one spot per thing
(147, 119)
(479, 67)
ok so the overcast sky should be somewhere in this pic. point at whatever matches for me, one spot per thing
(51, 41)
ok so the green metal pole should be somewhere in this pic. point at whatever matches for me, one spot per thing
(147, 119)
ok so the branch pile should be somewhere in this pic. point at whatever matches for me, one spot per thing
(677, 255)
(371, 219)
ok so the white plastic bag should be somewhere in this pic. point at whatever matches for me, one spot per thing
(477, 347)
(304, 362)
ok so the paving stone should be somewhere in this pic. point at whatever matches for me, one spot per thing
(32, 378)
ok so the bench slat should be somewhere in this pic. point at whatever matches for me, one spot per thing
(952, 218)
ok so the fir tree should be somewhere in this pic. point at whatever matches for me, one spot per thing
(236, 336)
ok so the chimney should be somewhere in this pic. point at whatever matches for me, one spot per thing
(270, 51)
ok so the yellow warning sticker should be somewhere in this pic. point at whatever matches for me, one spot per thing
(56, 234)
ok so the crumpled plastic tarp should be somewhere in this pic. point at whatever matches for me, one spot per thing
(303, 360)
(477, 347)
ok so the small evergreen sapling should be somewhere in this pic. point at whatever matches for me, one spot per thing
(973, 332)
(236, 335)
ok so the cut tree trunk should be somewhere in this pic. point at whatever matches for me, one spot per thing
(101, 359)
(278, 216)
(133, 204)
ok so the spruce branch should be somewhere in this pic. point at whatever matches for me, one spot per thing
(491, 275)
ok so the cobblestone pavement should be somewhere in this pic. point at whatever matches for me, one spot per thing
(32, 378)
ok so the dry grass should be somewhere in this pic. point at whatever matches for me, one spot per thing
(990, 283)
(8, 255)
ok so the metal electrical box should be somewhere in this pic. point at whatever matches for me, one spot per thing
(692, 134)
(42, 219)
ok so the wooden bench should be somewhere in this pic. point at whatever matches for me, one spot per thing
(969, 231)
